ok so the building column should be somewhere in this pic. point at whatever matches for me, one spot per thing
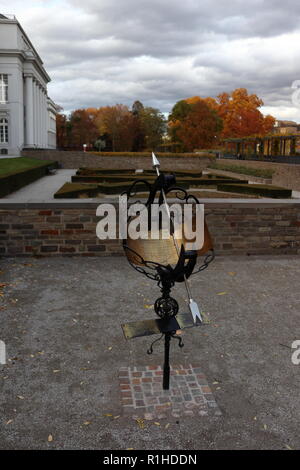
(39, 117)
(42, 116)
(46, 120)
(29, 110)
(35, 119)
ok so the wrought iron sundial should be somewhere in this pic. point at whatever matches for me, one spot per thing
(166, 261)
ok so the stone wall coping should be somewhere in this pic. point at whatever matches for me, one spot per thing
(94, 202)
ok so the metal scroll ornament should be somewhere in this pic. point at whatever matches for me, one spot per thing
(166, 261)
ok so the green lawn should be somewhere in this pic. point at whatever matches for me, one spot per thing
(12, 165)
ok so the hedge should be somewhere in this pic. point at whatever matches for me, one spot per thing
(185, 181)
(110, 178)
(75, 190)
(131, 171)
(14, 181)
(258, 189)
(100, 171)
(243, 170)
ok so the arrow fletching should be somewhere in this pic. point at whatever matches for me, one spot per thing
(194, 309)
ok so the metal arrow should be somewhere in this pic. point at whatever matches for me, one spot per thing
(194, 309)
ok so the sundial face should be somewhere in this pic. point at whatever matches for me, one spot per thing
(163, 250)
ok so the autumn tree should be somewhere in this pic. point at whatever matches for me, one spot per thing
(241, 115)
(61, 130)
(179, 112)
(119, 123)
(82, 128)
(200, 127)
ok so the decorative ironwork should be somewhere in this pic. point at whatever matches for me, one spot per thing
(166, 269)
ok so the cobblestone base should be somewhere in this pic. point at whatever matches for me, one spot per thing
(142, 394)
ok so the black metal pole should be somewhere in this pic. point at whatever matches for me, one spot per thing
(166, 377)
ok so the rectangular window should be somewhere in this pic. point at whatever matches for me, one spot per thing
(3, 131)
(3, 88)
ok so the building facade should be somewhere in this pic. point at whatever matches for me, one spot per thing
(27, 114)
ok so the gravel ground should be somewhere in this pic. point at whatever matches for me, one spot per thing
(61, 323)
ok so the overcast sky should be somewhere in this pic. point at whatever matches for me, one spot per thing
(103, 52)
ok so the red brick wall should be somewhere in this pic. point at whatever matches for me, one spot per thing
(248, 228)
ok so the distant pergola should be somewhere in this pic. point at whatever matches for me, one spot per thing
(270, 146)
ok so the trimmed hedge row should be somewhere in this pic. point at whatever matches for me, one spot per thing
(77, 190)
(181, 180)
(258, 189)
(12, 182)
(130, 171)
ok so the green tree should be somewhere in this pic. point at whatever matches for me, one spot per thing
(153, 124)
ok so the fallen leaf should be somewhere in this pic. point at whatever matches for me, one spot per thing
(107, 414)
(9, 421)
(20, 397)
(288, 447)
(110, 348)
(231, 273)
(56, 370)
(221, 293)
(265, 426)
(148, 306)
(167, 425)
(116, 417)
(156, 423)
(50, 438)
(86, 423)
(140, 422)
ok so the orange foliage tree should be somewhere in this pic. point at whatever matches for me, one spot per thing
(61, 130)
(119, 124)
(81, 128)
(238, 110)
(241, 115)
(194, 123)
(200, 127)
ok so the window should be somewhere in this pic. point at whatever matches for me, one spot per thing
(3, 131)
(3, 88)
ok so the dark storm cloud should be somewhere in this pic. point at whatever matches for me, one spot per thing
(101, 52)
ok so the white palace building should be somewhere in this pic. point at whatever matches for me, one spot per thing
(27, 114)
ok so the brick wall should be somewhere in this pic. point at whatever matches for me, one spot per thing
(69, 229)
(70, 159)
